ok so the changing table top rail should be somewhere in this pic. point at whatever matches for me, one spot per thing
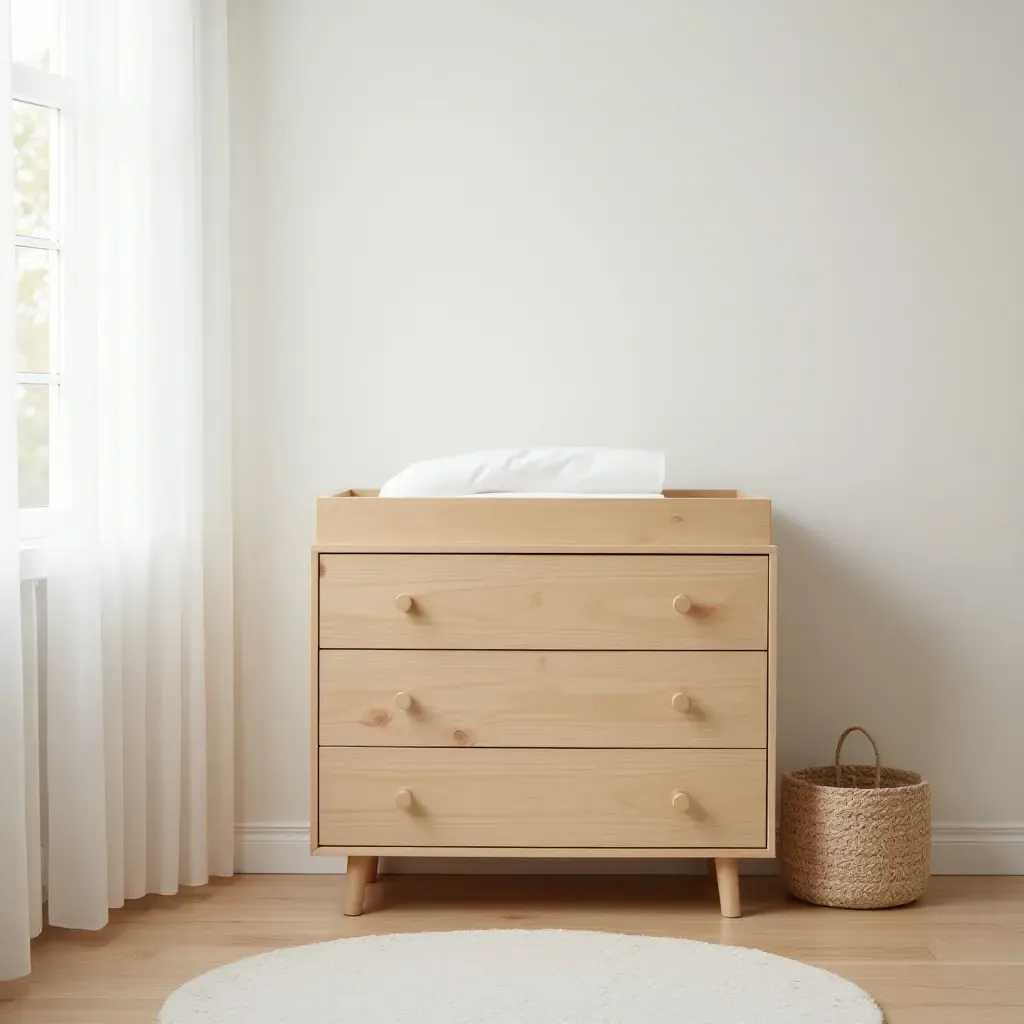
(682, 522)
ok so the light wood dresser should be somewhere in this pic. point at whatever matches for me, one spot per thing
(543, 678)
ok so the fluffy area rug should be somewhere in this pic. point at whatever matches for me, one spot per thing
(518, 977)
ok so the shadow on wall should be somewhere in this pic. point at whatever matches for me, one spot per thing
(853, 651)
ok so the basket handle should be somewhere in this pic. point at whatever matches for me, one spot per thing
(871, 740)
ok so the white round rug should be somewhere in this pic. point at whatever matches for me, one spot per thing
(518, 977)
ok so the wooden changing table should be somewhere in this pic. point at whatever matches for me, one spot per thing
(543, 678)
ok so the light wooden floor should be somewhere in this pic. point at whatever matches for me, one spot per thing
(957, 957)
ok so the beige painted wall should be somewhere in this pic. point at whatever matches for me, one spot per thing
(781, 239)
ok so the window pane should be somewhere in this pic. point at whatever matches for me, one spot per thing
(34, 33)
(32, 309)
(33, 402)
(32, 133)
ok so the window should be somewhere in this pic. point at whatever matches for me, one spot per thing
(37, 112)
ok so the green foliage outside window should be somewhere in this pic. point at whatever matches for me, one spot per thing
(32, 135)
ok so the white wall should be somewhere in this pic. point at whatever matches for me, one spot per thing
(781, 239)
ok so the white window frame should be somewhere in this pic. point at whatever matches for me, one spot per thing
(46, 89)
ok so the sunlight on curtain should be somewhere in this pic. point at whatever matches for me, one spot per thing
(139, 670)
(15, 904)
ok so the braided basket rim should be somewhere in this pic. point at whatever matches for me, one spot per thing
(806, 778)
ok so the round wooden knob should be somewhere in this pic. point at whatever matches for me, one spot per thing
(403, 700)
(403, 799)
(682, 604)
(680, 801)
(681, 702)
(404, 602)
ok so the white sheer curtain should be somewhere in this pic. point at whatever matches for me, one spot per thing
(15, 904)
(139, 674)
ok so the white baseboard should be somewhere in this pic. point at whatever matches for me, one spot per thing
(978, 850)
(282, 848)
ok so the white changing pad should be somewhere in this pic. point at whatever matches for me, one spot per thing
(545, 494)
(553, 471)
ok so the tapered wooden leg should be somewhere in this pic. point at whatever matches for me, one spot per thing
(728, 871)
(358, 875)
(374, 864)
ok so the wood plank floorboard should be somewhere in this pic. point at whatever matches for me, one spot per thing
(956, 957)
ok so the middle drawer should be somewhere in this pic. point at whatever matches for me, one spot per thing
(543, 699)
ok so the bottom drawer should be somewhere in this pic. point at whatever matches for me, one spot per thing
(542, 798)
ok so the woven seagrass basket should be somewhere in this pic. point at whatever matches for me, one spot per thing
(855, 836)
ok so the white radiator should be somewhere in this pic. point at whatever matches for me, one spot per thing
(33, 640)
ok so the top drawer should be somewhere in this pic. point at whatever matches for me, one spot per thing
(544, 602)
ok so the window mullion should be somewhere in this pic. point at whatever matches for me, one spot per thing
(31, 85)
(31, 242)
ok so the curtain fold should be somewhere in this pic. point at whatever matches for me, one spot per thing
(138, 718)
